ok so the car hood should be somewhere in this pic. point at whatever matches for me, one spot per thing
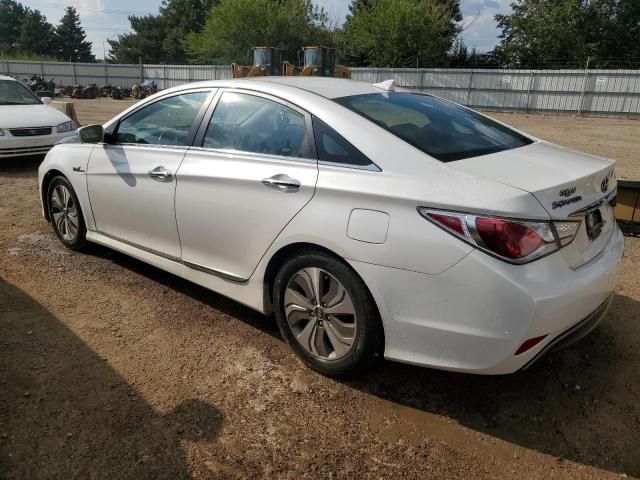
(562, 180)
(23, 116)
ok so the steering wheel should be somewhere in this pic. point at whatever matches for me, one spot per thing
(168, 137)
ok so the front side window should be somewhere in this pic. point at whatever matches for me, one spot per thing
(441, 129)
(248, 123)
(14, 93)
(165, 122)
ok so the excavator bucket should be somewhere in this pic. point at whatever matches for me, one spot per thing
(627, 210)
(266, 61)
(317, 62)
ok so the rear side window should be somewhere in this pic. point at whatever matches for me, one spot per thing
(248, 123)
(333, 148)
(439, 128)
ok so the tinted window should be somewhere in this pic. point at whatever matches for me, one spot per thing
(14, 93)
(248, 123)
(335, 149)
(165, 122)
(439, 128)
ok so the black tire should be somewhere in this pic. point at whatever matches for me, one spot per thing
(73, 242)
(368, 343)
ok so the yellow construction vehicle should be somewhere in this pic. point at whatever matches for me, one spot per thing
(266, 61)
(628, 206)
(318, 62)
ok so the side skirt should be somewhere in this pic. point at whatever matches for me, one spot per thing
(248, 292)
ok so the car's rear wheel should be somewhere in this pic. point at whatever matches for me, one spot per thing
(65, 213)
(327, 315)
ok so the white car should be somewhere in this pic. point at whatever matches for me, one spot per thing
(372, 221)
(28, 125)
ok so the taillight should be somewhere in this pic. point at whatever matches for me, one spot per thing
(516, 241)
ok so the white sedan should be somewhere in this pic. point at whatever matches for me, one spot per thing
(372, 221)
(28, 125)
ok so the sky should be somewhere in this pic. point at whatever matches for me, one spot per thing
(105, 19)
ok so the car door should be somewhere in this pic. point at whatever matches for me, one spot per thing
(131, 179)
(254, 170)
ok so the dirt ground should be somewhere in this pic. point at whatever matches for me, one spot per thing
(110, 368)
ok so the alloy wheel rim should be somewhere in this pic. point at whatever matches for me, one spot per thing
(320, 313)
(64, 213)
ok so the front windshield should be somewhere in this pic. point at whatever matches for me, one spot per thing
(441, 129)
(312, 57)
(261, 57)
(14, 93)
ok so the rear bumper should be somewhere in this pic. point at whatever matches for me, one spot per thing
(575, 333)
(474, 317)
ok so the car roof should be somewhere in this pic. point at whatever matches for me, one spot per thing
(325, 86)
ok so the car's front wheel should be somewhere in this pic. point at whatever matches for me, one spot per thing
(65, 213)
(327, 315)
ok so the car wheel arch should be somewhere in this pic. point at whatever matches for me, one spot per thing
(278, 259)
(46, 180)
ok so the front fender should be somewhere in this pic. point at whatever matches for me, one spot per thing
(72, 161)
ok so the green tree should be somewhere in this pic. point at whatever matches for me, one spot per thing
(234, 26)
(145, 43)
(11, 16)
(541, 33)
(70, 38)
(158, 38)
(181, 18)
(401, 33)
(36, 34)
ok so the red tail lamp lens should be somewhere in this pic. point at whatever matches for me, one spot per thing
(448, 221)
(529, 344)
(508, 239)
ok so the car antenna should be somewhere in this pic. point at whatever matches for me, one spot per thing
(387, 85)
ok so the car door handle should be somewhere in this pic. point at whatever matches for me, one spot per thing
(282, 183)
(161, 174)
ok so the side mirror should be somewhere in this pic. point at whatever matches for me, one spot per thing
(46, 100)
(91, 134)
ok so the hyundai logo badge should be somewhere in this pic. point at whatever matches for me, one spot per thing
(604, 186)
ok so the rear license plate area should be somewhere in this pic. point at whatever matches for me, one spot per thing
(594, 223)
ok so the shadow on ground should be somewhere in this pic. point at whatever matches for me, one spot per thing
(65, 413)
(24, 167)
(579, 404)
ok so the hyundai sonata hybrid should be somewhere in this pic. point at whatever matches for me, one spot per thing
(372, 221)
(28, 125)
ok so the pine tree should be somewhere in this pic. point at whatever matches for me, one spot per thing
(36, 34)
(11, 16)
(70, 38)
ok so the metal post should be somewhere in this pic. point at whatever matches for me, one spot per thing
(106, 75)
(468, 103)
(531, 83)
(75, 80)
(141, 70)
(584, 87)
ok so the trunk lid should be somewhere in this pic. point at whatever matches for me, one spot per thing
(550, 173)
(568, 184)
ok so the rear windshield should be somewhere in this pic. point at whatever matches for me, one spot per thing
(439, 128)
